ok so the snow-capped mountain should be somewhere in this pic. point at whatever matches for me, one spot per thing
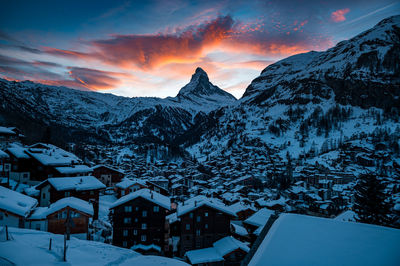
(106, 115)
(310, 104)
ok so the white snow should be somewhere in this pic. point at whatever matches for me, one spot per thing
(16, 202)
(199, 201)
(30, 247)
(76, 183)
(305, 240)
(73, 169)
(259, 218)
(147, 194)
(203, 255)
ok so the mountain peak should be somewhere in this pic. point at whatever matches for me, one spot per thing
(200, 86)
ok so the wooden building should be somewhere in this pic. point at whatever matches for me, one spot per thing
(108, 175)
(86, 188)
(138, 221)
(15, 207)
(203, 221)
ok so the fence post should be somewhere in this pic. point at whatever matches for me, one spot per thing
(65, 247)
(7, 233)
(50, 244)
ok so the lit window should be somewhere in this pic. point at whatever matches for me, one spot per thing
(206, 214)
(143, 238)
(144, 213)
(144, 226)
(156, 208)
(187, 226)
(125, 232)
(128, 208)
(127, 220)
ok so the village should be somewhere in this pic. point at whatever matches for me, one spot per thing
(205, 214)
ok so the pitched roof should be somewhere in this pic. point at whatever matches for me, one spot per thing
(259, 218)
(72, 202)
(331, 242)
(78, 183)
(73, 169)
(146, 194)
(199, 201)
(16, 202)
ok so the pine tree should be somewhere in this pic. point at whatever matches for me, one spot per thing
(370, 201)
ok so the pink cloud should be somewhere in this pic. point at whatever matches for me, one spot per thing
(338, 15)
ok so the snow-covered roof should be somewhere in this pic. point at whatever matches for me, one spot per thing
(259, 218)
(77, 183)
(346, 216)
(3, 154)
(228, 244)
(7, 130)
(109, 167)
(240, 230)
(146, 247)
(15, 202)
(129, 182)
(240, 206)
(49, 154)
(147, 194)
(18, 152)
(309, 240)
(204, 255)
(216, 253)
(199, 201)
(73, 169)
(72, 202)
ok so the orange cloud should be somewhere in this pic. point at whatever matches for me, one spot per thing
(338, 15)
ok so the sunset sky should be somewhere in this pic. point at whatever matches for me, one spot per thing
(151, 48)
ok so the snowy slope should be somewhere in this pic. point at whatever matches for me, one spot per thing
(30, 247)
(106, 114)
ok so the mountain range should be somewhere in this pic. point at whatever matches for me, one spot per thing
(301, 104)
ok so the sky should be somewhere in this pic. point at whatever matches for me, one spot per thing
(151, 48)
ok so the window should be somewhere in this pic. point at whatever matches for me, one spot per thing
(187, 226)
(43, 195)
(206, 214)
(144, 226)
(91, 192)
(25, 175)
(143, 238)
(1, 216)
(191, 215)
(38, 227)
(128, 208)
(124, 244)
(206, 226)
(144, 213)
(156, 209)
(67, 194)
(122, 192)
(135, 232)
(127, 220)
(137, 208)
(136, 220)
(125, 232)
(198, 218)
(198, 232)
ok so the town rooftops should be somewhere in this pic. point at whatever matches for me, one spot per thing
(48, 154)
(216, 253)
(146, 194)
(3, 155)
(125, 183)
(199, 201)
(7, 131)
(71, 202)
(73, 169)
(108, 167)
(18, 152)
(309, 240)
(78, 183)
(259, 218)
(15, 202)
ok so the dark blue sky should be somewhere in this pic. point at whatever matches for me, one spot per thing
(150, 48)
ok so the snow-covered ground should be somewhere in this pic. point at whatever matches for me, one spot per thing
(30, 247)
